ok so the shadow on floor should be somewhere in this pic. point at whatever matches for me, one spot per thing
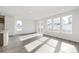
(25, 42)
(58, 46)
(77, 46)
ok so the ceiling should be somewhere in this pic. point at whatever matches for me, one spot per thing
(34, 12)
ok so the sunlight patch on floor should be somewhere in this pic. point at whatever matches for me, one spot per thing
(45, 49)
(52, 42)
(43, 39)
(29, 47)
(48, 47)
(22, 38)
(68, 48)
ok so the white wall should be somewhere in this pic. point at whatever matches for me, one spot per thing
(75, 27)
(10, 25)
(28, 26)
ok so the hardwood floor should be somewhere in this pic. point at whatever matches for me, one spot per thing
(36, 43)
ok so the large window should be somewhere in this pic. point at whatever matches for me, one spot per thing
(67, 24)
(19, 25)
(56, 24)
(61, 24)
(49, 23)
(40, 26)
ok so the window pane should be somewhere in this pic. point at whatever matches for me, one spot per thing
(19, 25)
(49, 23)
(67, 24)
(56, 24)
(40, 26)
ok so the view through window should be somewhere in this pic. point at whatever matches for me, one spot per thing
(61, 24)
(67, 24)
(49, 23)
(19, 25)
(56, 24)
(40, 27)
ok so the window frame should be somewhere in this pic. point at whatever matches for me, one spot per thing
(55, 25)
(62, 24)
(50, 24)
